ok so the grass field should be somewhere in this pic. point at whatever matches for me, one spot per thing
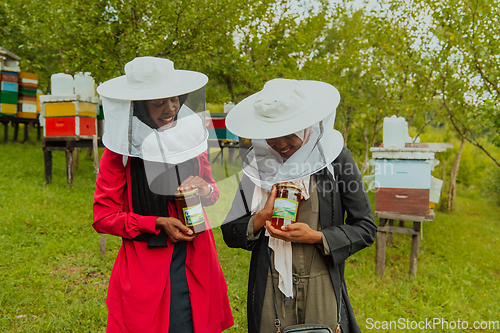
(54, 278)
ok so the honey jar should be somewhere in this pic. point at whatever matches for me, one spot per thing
(190, 210)
(286, 204)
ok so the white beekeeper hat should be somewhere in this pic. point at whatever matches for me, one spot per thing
(150, 78)
(281, 108)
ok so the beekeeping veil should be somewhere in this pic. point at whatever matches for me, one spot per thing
(281, 108)
(131, 130)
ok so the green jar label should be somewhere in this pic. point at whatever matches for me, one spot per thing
(285, 209)
(193, 215)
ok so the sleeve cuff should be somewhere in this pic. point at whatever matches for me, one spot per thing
(147, 224)
(250, 235)
(324, 246)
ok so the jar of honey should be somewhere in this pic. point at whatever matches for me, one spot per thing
(190, 210)
(286, 204)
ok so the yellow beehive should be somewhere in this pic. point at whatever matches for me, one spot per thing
(74, 108)
(9, 109)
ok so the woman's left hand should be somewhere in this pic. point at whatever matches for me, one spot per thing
(297, 232)
(193, 182)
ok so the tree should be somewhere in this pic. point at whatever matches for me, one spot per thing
(100, 36)
(275, 42)
(469, 39)
(36, 56)
(373, 59)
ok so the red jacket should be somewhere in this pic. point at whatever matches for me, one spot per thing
(139, 287)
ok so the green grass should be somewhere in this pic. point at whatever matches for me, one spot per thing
(54, 278)
(458, 272)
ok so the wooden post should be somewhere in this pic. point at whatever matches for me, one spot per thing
(16, 130)
(96, 153)
(415, 242)
(69, 165)
(389, 234)
(6, 131)
(402, 223)
(232, 154)
(102, 244)
(47, 156)
(75, 158)
(26, 134)
(222, 154)
(38, 132)
(380, 249)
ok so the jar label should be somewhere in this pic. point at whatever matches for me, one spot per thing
(193, 215)
(285, 209)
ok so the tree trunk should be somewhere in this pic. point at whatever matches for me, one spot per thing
(229, 84)
(346, 132)
(453, 177)
(367, 148)
(443, 164)
(443, 201)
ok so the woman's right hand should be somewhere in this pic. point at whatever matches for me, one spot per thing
(175, 229)
(266, 213)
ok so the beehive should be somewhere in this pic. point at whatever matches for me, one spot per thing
(71, 115)
(8, 93)
(403, 180)
(216, 125)
(9, 68)
(27, 103)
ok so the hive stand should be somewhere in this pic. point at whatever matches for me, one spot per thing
(5, 120)
(67, 144)
(231, 145)
(26, 121)
(384, 236)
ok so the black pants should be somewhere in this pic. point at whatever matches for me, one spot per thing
(181, 318)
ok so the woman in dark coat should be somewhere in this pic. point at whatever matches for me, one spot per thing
(304, 149)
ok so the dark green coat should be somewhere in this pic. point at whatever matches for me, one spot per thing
(343, 197)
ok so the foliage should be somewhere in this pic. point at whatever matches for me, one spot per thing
(376, 63)
(36, 56)
(101, 36)
(473, 32)
(274, 42)
(467, 39)
(239, 44)
(480, 175)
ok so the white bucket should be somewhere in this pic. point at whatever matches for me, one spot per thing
(61, 84)
(228, 107)
(84, 84)
(435, 192)
(395, 132)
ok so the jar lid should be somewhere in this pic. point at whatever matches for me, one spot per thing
(185, 194)
(289, 185)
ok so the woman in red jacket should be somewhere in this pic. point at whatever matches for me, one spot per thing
(165, 278)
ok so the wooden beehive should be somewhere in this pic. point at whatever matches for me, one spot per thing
(216, 125)
(71, 115)
(402, 186)
(403, 177)
(27, 103)
(9, 68)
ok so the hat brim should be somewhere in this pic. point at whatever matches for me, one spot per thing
(181, 82)
(241, 121)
